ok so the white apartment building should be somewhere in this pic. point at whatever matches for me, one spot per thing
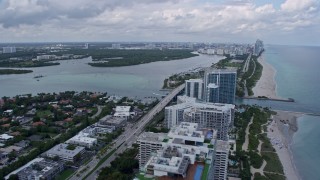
(123, 112)
(185, 145)
(208, 115)
(82, 139)
(149, 143)
(221, 160)
(65, 154)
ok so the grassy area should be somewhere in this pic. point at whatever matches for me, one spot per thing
(273, 162)
(205, 172)
(141, 177)
(266, 145)
(275, 176)
(65, 174)
(258, 176)
(44, 114)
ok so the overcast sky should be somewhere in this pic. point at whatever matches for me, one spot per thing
(274, 21)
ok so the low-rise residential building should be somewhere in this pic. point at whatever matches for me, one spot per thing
(113, 121)
(38, 169)
(8, 112)
(82, 139)
(66, 152)
(23, 143)
(10, 149)
(123, 112)
(5, 137)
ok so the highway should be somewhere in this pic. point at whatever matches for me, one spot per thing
(129, 136)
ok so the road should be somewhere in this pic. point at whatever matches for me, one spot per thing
(246, 65)
(98, 112)
(127, 138)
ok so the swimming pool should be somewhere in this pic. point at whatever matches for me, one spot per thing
(197, 175)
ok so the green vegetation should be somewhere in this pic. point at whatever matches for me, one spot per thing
(253, 142)
(157, 119)
(100, 162)
(71, 147)
(226, 62)
(115, 57)
(65, 174)
(255, 159)
(258, 176)
(27, 63)
(205, 172)
(44, 139)
(273, 162)
(253, 75)
(14, 71)
(122, 167)
(275, 176)
(141, 177)
(178, 79)
(43, 113)
(252, 157)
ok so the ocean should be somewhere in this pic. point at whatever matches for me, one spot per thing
(298, 77)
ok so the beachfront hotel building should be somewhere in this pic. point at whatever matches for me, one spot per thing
(194, 88)
(185, 151)
(220, 85)
(207, 115)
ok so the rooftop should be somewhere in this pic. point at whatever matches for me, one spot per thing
(186, 129)
(153, 137)
(123, 108)
(82, 137)
(5, 136)
(62, 150)
(222, 146)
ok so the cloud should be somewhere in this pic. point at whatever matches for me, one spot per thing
(154, 20)
(298, 5)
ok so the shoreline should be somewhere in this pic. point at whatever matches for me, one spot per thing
(280, 132)
(266, 85)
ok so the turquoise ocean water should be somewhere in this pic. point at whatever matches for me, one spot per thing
(298, 77)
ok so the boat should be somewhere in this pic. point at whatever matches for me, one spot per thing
(38, 76)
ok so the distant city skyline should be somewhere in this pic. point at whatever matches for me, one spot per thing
(287, 22)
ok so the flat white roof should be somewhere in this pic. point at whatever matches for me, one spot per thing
(82, 137)
(123, 108)
(5, 136)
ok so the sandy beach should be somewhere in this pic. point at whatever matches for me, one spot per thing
(266, 86)
(280, 132)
